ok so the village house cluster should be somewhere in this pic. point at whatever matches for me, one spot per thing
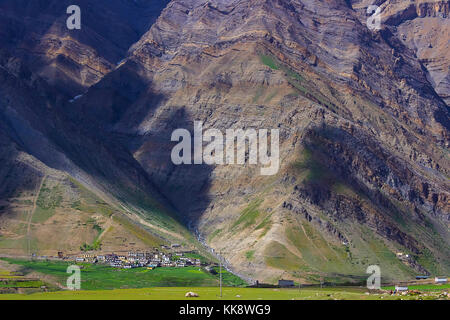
(139, 259)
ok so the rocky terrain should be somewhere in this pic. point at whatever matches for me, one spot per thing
(42, 149)
(423, 27)
(36, 32)
(363, 119)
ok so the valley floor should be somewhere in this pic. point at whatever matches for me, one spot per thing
(22, 279)
(212, 293)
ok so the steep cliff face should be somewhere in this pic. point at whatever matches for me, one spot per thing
(73, 60)
(364, 136)
(423, 27)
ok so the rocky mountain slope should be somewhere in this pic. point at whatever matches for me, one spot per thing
(71, 61)
(363, 120)
(423, 27)
(63, 186)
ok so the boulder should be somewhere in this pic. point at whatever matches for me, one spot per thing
(191, 294)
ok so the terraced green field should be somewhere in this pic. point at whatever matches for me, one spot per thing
(11, 280)
(100, 282)
(102, 277)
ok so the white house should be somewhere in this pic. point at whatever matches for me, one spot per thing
(400, 288)
(440, 280)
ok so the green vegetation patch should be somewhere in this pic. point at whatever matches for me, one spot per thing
(368, 249)
(278, 256)
(212, 293)
(96, 244)
(265, 224)
(48, 200)
(249, 254)
(100, 277)
(21, 283)
(269, 61)
(316, 171)
(229, 278)
(214, 234)
(249, 215)
(258, 94)
(138, 231)
(297, 81)
(197, 256)
(316, 251)
(42, 215)
(89, 202)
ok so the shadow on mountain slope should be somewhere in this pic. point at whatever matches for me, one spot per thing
(186, 185)
(72, 60)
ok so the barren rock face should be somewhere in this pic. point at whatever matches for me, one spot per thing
(423, 27)
(362, 119)
(73, 60)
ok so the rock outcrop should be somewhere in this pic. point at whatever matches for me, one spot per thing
(73, 60)
(422, 26)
